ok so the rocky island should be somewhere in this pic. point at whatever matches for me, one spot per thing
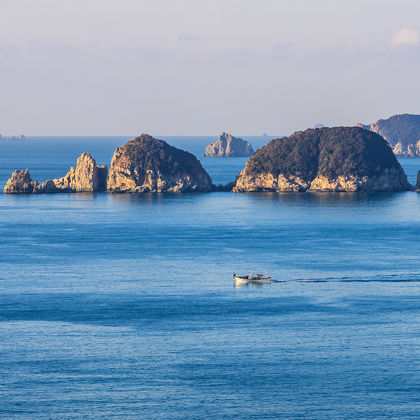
(325, 159)
(86, 177)
(21, 183)
(401, 131)
(228, 146)
(146, 164)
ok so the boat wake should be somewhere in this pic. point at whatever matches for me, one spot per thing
(378, 278)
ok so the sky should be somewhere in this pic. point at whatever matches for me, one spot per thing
(199, 67)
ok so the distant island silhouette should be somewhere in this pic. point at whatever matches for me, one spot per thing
(13, 137)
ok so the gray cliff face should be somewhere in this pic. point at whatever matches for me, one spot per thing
(327, 159)
(402, 132)
(417, 187)
(146, 164)
(86, 177)
(227, 145)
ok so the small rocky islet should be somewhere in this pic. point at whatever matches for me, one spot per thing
(345, 159)
(87, 176)
(228, 146)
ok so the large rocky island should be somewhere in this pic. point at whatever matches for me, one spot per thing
(146, 164)
(401, 131)
(87, 176)
(228, 146)
(325, 159)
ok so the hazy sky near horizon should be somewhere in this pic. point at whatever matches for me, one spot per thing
(198, 67)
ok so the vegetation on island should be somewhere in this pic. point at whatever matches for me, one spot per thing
(146, 164)
(330, 152)
(146, 152)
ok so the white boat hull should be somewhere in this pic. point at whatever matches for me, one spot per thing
(240, 280)
(247, 280)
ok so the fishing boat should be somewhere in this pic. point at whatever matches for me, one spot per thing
(257, 278)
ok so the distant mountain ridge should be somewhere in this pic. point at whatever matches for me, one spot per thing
(402, 132)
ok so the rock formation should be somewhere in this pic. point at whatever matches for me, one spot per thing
(21, 183)
(146, 164)
(86, 177)
(326, 159)
(227, 145)
(401, 131)
(417, 187)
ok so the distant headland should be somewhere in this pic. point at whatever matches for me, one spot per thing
(402, 132)
(345, 159)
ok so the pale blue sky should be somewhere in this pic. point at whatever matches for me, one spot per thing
(197, 67)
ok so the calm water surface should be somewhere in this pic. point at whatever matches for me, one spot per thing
(122, 306)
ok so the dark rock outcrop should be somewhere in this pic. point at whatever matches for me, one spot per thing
(401, 131)
(225, 188)
(146, 164)
(417, 187)
(227, 145)
(326, 159)
(86, 177)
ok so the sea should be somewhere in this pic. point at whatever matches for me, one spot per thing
(123, 306)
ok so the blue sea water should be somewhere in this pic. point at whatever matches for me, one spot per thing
(122, 306)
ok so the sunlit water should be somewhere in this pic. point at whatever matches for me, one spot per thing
(122, 306)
